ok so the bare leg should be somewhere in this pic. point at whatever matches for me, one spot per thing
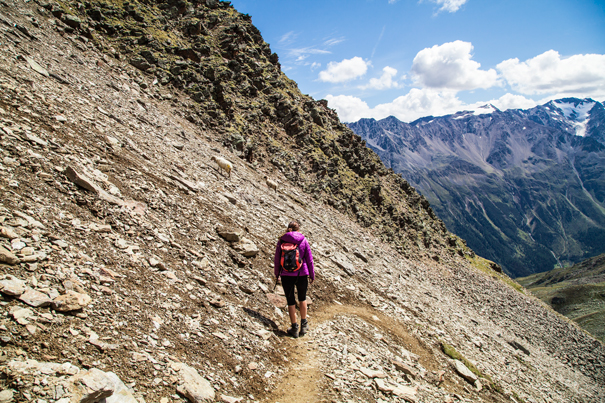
(303, 310)
(292, 312)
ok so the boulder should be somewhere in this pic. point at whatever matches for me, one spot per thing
(121, 394)
(35, 298)
(11, 285)
(464, 372)
(71, 301)
(406, 369)
(90, 386)
(8, 257)
(192, 385)
(231, 235)
(6, 396)
(406, 393)
(7, 232)
(246, 247)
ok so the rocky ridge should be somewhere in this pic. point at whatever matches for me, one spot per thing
(134, 270)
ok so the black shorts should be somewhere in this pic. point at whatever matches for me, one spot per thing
(301, 283)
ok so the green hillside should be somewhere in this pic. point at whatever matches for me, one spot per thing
(577, 292)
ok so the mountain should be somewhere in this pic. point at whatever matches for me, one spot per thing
(577, 292)
(524, 188)
(134, 269)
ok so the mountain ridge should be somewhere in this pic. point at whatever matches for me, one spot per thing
(457, 160)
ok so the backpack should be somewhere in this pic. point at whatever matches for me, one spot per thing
(291, 260)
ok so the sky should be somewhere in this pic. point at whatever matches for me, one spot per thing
(411, 59)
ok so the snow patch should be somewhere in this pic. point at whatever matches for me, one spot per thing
(577, 112)
(580, 128)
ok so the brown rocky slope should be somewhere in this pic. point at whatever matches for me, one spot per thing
(135, 271)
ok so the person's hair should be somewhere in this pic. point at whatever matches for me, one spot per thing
(293, 226)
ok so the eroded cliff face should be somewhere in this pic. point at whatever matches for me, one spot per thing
(135, 270)
(524, 188)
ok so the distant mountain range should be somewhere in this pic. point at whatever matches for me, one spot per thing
(525, 188)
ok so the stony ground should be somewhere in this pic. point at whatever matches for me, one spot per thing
(127, 251)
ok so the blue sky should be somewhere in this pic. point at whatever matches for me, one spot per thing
(410, 58)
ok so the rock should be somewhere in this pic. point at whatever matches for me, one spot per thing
(229, 399)
(246, 247)
(11, 285)
(27, 251)
(7, 257)
(406, 393)
(230, 197)
(90, 386)
(121, 393)
(277, 300)
(192, 385)
(87, 183)
(60, 243)
(188, 184)
(361, 256)
(35, 139)
(383, 386)
(71, 20)
(153, 262)
(35, 298)
(405, 368)
(17, 245)
(464, 372)
(71, 301)
(36, 67)
(341, 261)
(31, 222)
(231, 235)
(105, 228)
(6, 396)
(7, 232)
(248, 288)
(370, 373)
(21, 315)
(101, 345)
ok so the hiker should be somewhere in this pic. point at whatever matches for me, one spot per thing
(294, 263)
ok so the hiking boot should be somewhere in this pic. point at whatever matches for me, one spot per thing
(293, 331)
(304, 327)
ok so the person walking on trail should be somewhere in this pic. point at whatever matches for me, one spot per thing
(294, 263)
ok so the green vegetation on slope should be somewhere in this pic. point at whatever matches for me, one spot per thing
(577, 292)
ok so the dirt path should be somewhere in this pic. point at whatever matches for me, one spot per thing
(305, 381)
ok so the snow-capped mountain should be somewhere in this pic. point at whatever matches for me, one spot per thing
(525, 188)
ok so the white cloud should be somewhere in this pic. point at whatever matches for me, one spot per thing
(333, 41)
(449, 67)
(348, 69)
(548, 73)
(451, 6)
(415, 104)
(287, 37)
(419, 103)
(384, 82)
(511, 101)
